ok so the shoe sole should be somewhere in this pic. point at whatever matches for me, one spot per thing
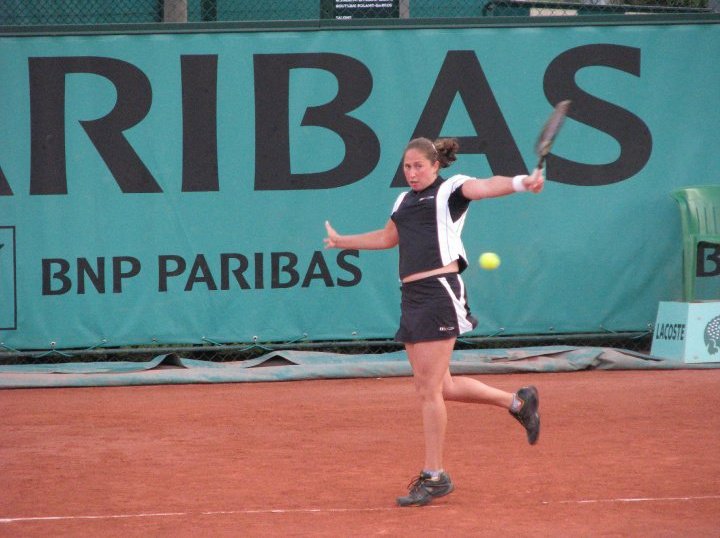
(536, 405)
(535, 399)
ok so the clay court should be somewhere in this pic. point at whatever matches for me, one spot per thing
(622, 453)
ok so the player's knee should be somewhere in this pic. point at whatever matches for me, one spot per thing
(429, 391)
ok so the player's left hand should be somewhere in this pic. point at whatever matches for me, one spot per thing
(331, 241)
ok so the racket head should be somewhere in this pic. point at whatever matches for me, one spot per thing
(550, 130)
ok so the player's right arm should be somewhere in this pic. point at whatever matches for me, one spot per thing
(503, 185)
(386, 237)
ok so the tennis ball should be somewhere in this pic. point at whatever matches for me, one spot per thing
(489, 261)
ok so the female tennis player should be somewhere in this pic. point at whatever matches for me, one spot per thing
(426, 223)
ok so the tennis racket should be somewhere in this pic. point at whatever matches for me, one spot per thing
(550, 130)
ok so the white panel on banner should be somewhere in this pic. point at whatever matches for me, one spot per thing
(688, 332)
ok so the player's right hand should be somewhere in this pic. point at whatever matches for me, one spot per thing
(535, 181)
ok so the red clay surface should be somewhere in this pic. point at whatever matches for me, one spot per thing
(622, 453)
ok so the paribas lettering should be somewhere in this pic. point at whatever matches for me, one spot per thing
(224, 272)
(460, 75)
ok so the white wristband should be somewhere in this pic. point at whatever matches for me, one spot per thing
(517, 183)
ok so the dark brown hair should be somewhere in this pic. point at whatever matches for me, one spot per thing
(443, 150)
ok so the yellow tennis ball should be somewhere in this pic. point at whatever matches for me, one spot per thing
(489, 261)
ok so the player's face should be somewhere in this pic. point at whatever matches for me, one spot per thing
(420, 172)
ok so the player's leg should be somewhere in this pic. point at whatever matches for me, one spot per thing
(523, 404)
(430, 361)
(470, 390)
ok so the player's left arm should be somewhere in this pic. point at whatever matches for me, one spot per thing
(476, 189)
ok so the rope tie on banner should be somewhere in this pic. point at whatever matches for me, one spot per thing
(636, 337)
(2, 345)
(99, 344)
(255, 345)
(52, 351)
(298, 339)
(499, 331)
(205, 339)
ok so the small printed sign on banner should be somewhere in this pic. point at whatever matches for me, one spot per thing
(360, 9)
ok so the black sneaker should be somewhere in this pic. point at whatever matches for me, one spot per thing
(423, 489)
(528, 414)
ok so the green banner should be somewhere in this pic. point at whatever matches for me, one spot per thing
(172, 188)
